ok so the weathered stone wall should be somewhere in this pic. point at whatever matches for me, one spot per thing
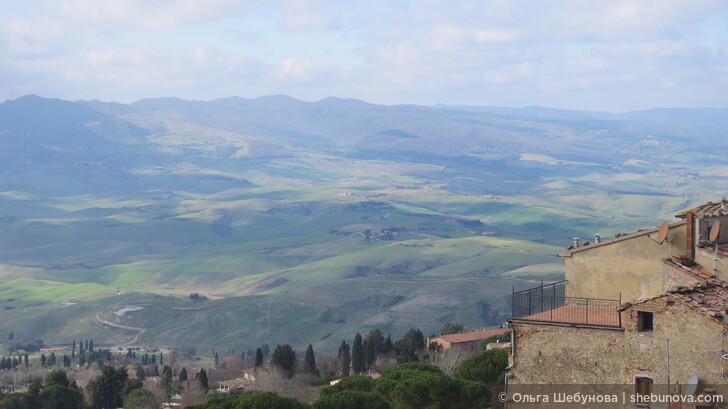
(630, 267)
(552, 354)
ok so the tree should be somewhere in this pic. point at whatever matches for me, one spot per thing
(139, 372)
(309, 361)
(252, 400)
(161, 358)
(183, 374)
(217, 359)
(284, 358)
(60, 397)
(369, 353)
(105, 391)
(452, 328)
(415, 385)
(350, 399)
(388, 346)
(57, 377)
(375, 336)
(415, 338)
(486, 366)
(90, 345)
(43, 360)
(344, 359)
(357, 355)
(202, 380)
(166, 381)
(258, 358)
(140, 399)
(407, 354)
(359, 383)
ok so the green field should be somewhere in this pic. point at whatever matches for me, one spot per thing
(301, 229)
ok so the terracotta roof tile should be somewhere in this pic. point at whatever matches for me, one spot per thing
(710, 299)
(710, 209)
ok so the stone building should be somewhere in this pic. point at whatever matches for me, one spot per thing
(468, 343)
(644, 308)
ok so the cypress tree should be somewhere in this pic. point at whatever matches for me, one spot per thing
(183, 374)
(91, 345)
(42, 360)
(388, 345)
(161, 358)
(344, 359)
(202, 379)
(309, 361)
(73, 350)
(369, 353)
(258, 358)
(25, 359)
(217, 359)
(357, 355)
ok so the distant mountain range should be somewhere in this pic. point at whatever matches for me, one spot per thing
(706, 119)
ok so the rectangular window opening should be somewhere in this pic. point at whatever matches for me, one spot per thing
(644, 321)
(643, 386)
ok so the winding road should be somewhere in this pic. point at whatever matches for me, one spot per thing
(111, 324)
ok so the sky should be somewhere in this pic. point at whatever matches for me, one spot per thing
(611, 55)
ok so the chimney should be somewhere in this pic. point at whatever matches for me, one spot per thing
(576, 242)
(597, 238)
(690, 227)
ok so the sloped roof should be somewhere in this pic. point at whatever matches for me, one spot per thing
(710, 300)
(709, 209)
(696, 269)
(473, 335)
(620, 237)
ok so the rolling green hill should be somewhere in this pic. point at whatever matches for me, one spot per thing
(306, 222)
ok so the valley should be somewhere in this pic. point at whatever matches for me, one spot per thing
(306, 222)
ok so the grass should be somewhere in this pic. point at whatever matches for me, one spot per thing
(292, 264)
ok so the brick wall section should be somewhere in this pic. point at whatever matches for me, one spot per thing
(552, 354)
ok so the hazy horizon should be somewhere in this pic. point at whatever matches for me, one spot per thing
(596, 56)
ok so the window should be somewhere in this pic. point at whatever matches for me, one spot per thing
(643, 386)
(644, 321)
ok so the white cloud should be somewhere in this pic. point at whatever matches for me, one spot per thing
(473, 51)
(294, 71)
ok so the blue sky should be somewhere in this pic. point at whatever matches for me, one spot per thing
(577, 54)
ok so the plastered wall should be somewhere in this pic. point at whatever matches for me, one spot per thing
(631, 267)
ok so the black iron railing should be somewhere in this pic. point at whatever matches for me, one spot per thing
(549, 303)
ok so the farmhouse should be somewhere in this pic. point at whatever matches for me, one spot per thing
(466, 342)
(645, 308)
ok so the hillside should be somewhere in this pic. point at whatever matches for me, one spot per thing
(304, 222)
